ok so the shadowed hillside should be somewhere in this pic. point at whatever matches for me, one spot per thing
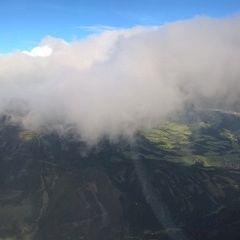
(178, 181)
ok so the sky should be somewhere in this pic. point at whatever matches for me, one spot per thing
(24, 23)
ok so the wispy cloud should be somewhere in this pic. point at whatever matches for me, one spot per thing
(96, 28)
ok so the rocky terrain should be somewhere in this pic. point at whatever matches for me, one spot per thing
(178, 181)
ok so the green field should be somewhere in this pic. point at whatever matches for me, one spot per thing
(209, 143)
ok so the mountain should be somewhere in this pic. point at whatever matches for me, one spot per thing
(177, 181)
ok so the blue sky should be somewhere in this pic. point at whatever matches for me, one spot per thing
(23, 23)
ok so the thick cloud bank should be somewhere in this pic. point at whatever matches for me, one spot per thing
(122, 80)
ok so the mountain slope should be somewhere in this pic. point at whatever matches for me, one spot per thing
(165, 185)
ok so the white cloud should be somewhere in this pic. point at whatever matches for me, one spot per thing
(40, 51)
(123, 80)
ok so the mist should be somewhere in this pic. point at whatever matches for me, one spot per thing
(119, 81)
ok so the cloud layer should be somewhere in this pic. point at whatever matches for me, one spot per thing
(119, 81)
